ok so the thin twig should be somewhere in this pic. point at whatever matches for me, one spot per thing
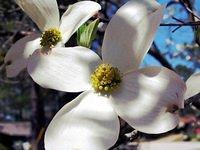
(197, 23)
(189, 10)
(178, 21)
(8, 81)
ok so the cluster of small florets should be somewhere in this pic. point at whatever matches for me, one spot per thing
(105, 78)
(50, 38)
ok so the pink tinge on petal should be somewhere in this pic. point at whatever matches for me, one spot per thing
(17, 55)
(144, 98)
(193, 85)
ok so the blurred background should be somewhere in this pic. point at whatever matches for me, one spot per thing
(26, 109)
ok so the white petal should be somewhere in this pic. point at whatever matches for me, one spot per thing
(43, 12)
(130, 33)
(144, 96)
(193, 86)
(64, 69)
(88, 122)
(76, 15)
(19, 53)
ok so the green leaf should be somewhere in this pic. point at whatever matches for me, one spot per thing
(198, 35)
(87, 33)
(79, 34)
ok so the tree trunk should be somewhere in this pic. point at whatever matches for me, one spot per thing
(38, 117)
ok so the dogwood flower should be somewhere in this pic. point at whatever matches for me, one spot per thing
(115, 86)
(192, 85)
(55, 31)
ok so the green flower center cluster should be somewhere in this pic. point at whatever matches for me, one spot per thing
(50, 38)
(105, 78)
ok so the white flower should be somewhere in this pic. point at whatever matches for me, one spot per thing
(55, 31)
(145, 98)
(192, 85)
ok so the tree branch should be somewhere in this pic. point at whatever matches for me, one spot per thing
(158, 56)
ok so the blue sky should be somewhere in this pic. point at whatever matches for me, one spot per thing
(183, 35)
(179, 37)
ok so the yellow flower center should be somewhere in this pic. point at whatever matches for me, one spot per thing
(50, 38)
(105, 78)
